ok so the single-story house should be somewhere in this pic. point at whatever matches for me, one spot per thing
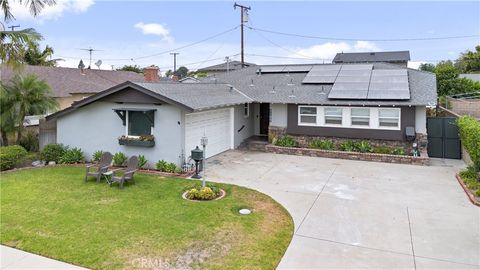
(364, 101)
(224, 67)
(72, 84)
(392, 57)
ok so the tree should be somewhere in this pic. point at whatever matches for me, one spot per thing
(33, 56)
(169, 73)
(134, 68)
(448, 82)
(25, 95)
(427, 67)
(14, 45)
(181, 72)
(35, 6)
(469, 62)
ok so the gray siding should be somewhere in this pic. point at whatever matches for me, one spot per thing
(97, 127)
(240, 121)
(407, 119)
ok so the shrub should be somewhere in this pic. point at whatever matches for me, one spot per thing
(203, 193)
(399, 151)
(11, 156)
(119, 159)
(29, 141)
(469, 129)
(161, 165)
(469, 178)
(142, 161)
(322, 144)
(74, 155)
(97, 155)
(382, 150)
(171, 167)
(286, 141)
(363, 147)
(348, 145)
(53, 152)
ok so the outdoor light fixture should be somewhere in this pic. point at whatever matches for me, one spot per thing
(204, 142)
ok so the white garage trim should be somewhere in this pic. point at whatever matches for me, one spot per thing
(232, 128)
(217, 125)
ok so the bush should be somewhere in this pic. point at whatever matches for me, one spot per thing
(398, 151)
(469, 129)
(142, 161)
(286, 141)
(53, 152)
(382, 150)
(29, 141)
(348, 145)
(119, 159)
(161, 165)
(322, 144)
(171, 167)
(363, 147)
(97, 155)
(209, 192)
(10, 156)
(469, 178)
(74, 155)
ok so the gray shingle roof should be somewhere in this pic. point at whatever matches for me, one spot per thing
(362, 57)
(232, 65)
(64, 81)
(198, 96)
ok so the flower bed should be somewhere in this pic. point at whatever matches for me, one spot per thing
(422, 160)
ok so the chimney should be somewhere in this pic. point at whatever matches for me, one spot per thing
(151, 74)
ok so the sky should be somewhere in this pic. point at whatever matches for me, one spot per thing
(145, 32)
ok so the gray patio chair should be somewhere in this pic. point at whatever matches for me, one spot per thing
(101, 167)
(132, 167)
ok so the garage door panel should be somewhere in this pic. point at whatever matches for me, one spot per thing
(216, 126)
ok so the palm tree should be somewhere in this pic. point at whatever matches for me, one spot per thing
(27, 95)
(35, 57)
(14, 45)
(35, 6)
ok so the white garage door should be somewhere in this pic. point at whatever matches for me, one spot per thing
(215, 124)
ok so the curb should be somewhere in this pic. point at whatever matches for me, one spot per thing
(469, 193)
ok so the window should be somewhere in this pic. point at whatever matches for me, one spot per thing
(246, 110)
(139, 123)
(333, 116)
(389, 118)
(360, 116)
(307, 115)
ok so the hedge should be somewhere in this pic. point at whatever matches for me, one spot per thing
(469, 129)
(11, 156)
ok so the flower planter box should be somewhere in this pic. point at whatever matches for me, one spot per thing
(136, 143)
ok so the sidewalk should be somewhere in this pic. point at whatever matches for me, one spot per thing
(16, 259)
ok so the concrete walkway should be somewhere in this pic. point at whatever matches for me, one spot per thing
(354, 214)
(12, 258)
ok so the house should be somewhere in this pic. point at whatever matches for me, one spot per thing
(72, 84)
(376, 102)
(224, 67)
(392, 57)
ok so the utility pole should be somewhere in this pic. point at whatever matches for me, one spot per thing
(243, 19)
(174, 61)
(13, 27)
(227, 59)
(90, 50)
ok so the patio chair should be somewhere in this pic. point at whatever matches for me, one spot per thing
(101, 167)
(127, 176)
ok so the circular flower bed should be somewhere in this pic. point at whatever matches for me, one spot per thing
(199, 193)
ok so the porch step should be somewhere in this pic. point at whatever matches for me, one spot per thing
(253, 145)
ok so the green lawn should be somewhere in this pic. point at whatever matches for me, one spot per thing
(53, 212)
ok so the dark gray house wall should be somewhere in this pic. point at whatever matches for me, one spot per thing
(407, 119)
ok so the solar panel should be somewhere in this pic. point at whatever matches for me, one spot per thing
(349, 90)
(272, 69)
(389, 84)
(322, 74)
(353, 79)
(357, 67)
(297, 68)
(389, 72)
(364, 72)
(319, 79)
(326, 67)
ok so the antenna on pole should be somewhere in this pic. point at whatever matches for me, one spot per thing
(13, 27)
(243, 19)
(90, 51)
(174, 61)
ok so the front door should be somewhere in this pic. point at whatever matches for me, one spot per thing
(264, 118)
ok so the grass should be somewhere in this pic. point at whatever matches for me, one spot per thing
(52, 212)
(469, 178)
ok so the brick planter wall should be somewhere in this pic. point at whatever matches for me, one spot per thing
(423, 160)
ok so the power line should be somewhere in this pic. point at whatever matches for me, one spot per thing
(360, 39)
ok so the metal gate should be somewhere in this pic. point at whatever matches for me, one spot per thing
(443, 140)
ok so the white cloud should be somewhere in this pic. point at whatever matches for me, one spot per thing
(21, 11)
(330, 49)
(415, 64)
(155, 29)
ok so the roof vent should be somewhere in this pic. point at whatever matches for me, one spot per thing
(292, 95)
(251, 82)
(291, 82)
(231, 88)
(273, 90)
(259, 71)
(372, 53)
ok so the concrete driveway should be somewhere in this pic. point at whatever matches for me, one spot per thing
(354, 214)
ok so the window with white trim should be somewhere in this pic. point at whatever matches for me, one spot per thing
(307, 115)
(246, 110)
(389, 118)
(360, 116)
(333, 116)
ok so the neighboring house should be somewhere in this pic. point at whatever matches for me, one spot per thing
(224, 67)
(72, 84)
(392, 57)
(189, 80)
(472, 76)
(361, 101)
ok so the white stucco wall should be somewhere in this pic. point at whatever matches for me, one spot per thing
(279, 115)
(421, 119)
(239, 121)
(97, 127)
